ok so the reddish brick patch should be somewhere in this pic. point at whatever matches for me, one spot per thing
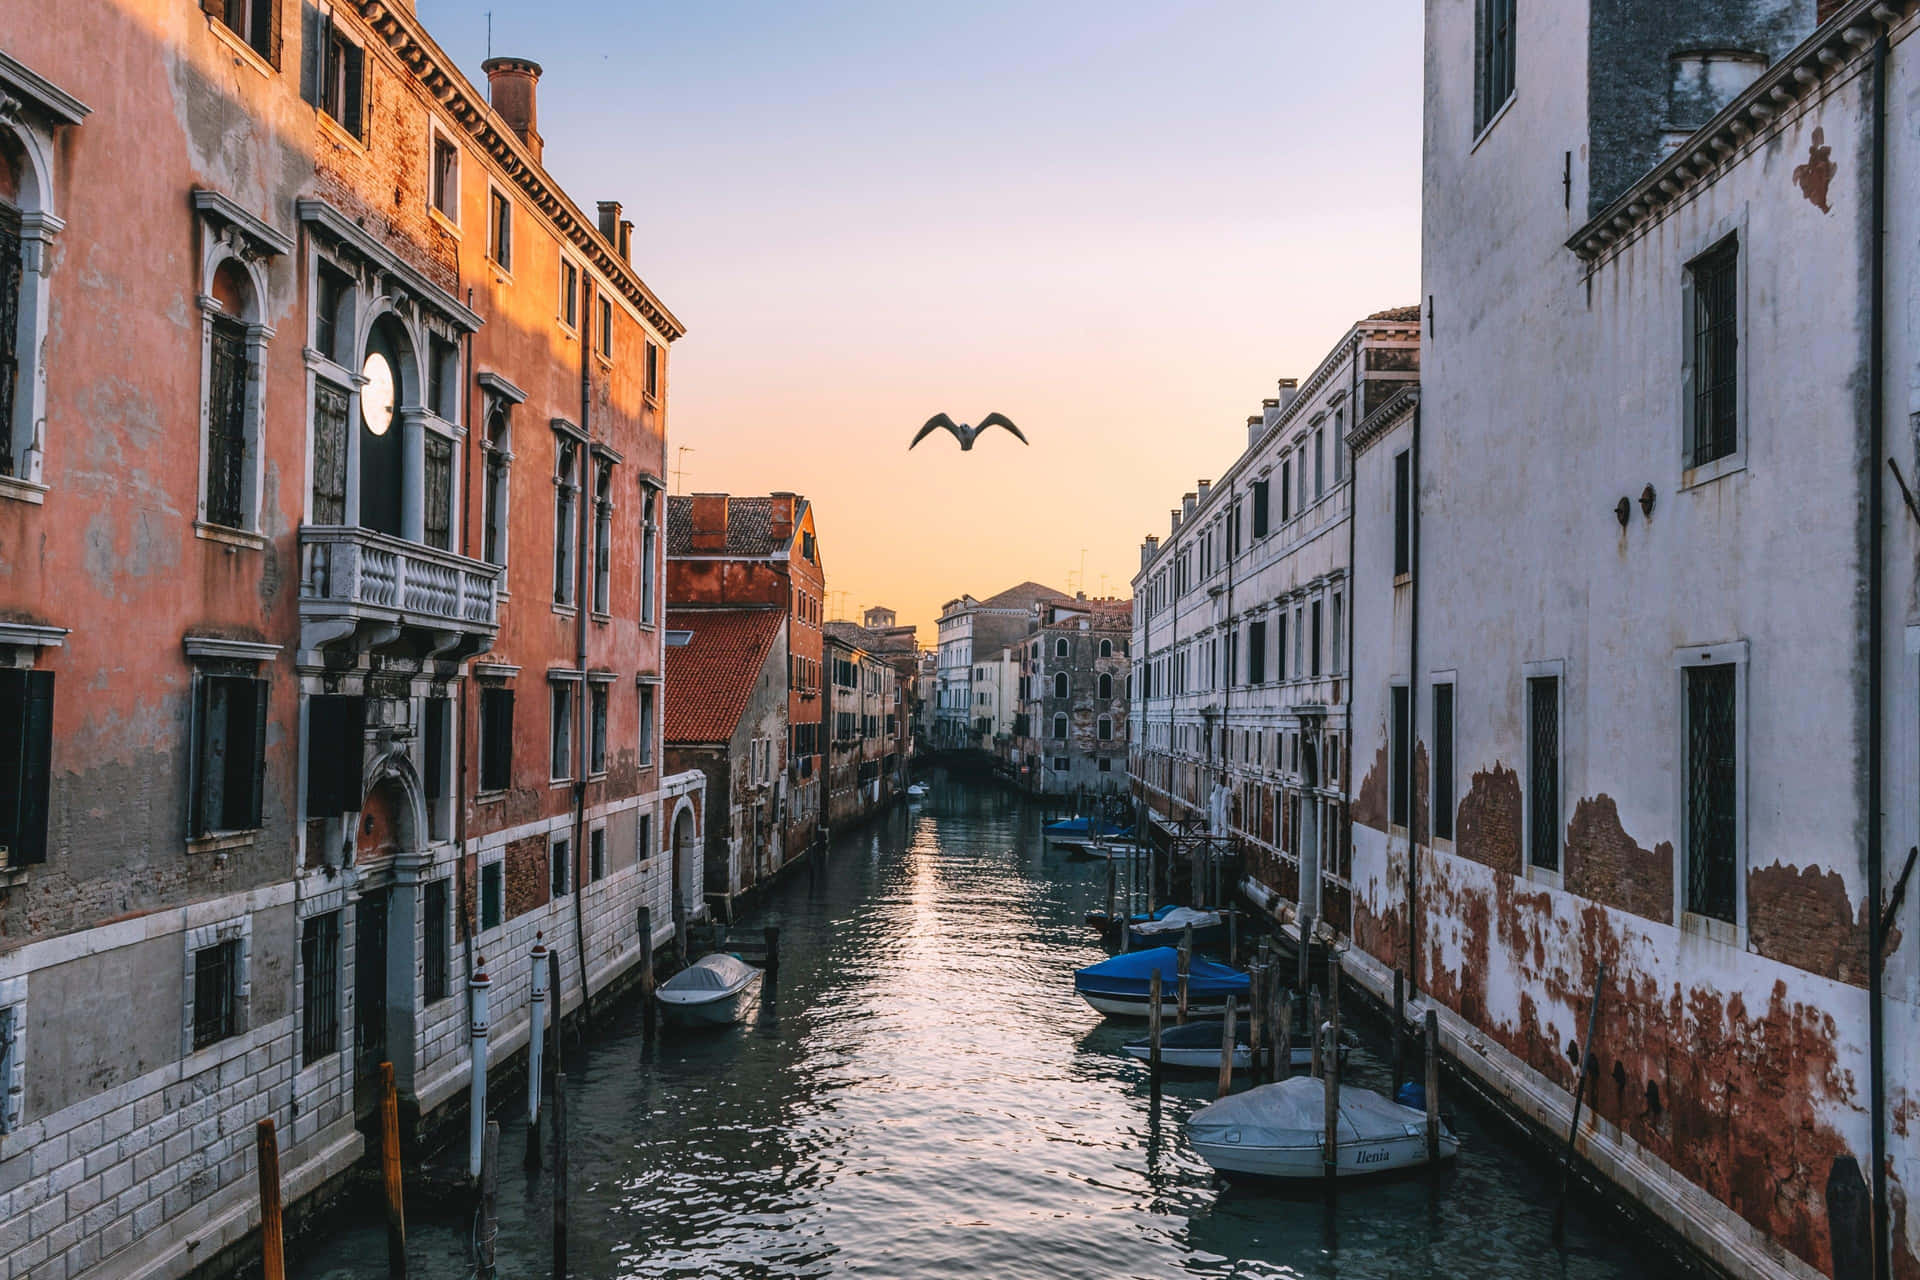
(1800, 916)
(1605, 864)
(528, 876)
(1488, 831)
(1370, 803)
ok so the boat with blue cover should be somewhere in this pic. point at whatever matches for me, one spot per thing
(1076, 833)
(1119, 986)
(1170, 929)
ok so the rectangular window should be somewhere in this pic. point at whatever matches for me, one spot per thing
(1319, 462)
(1400, 766)
(597, 854)
(336, 747)
(1543, 772)
(1259, 508)
(1313, 640)
(334, 287)
(653, 371)
(1299, 644)
(569, 293)
(1339, 444)
(562, 726)
(229, 754)
(329, 454)
(1337, 648)
(643, 838)
(597, 729)
(437, 491)
(342, 78)
(1280, 665)
(12, 271)
(1300, 478)
(603, 539)
(254, 21)
(565, 490)
(319, 987)
(1712, 782)
(435, 940)
(1495, 64)
(26, 758)
(12, 1020)
(216, 992)
(649, 551)
(446, 177)
(560, 858)
(646, 726)
(492, 895)
(1443, 761)
(228, 373)
(1256, 653)
(1714, 423)
(603, 336)
(1286, 489)
(500, 229)
(496, 738)
(1402, 513)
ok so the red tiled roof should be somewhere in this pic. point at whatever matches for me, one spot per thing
(749, 526)
(1400, 314)
(709, 679)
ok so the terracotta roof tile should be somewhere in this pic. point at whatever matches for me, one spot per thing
(749, 527)
(709, 680)
(1397, 314)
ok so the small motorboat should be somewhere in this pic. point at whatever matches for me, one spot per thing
(1108, 926)
(918, 791)
(1121, 986)
(716, 990)
(1279, 1131)
(1196, 1047)
(1074, 833)
(1118, 847)
(1170, 930)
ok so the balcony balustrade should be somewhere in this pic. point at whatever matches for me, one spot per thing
(365, 590)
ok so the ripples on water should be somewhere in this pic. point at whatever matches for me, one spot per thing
(932, 1099)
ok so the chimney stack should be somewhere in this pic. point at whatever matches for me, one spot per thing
(511, 85)
(1289, 390)
(709, 523)
(625, 243)
(610, 221)
(786, 509)
(1173, 525)
(1148, 550)
(1201, 490)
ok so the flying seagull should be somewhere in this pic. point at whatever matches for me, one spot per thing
(965, 434)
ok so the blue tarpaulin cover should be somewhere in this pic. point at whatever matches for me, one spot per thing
(1130, 974)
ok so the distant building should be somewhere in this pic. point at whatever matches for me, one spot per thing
(865, 723)
(971, 629)
(727, 718)
(1071, 677)
(752, 552)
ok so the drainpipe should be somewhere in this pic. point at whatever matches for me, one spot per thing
(460, 753)
(1876, 446)
(583, 602)
(1413, 709)
(1352, 596)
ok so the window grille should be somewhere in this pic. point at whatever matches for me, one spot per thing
(1496, 60)
(439, 491)
(227, 424)
(26, 757)
(320, 987)
(597, 729)
(329, 454)
(9, 1040)
(435, 941)
(1712, 792)
(1716, 348)
(216, 978)
(1400, 769)
(1443, 761)
(560, 853)
(597, 853)
(563, 522)
(1543, 772)
(492, 892)
(12, 265)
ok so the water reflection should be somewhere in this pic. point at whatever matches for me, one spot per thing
(930, 1098)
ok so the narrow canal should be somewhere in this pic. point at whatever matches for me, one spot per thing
(931, 1099)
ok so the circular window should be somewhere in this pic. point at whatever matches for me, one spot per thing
(376, 396)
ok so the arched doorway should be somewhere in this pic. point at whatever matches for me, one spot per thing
(385, 942)
(685, 864)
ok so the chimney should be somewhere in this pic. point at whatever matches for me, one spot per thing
(1202, 489)
(1174, 524)
(1188, 502)
(1289, 391)
(625, 243)
(785, 509)
(510, 87)
(709, 523)
(610, 221)
(1148, 550)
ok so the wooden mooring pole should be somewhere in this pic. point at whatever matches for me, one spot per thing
(1433, 1085)
(1226, 1051)
(1283, 1036)
(1256, 1019)
(1186, 958)
(390, 1169)
(1153, 1034)
(273, 1248)
(649, 1015)
(1318, 1068)
(1112, 874)
(489, 1229)
(1581, 1072)
(1328, 1035)
(560, 1176)
(1399, 1023)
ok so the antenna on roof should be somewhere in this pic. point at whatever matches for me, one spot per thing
(680, 466)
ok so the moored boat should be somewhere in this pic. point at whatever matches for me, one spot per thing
(1074, 833)
(1170, 930)
(1279, 1131)
(715, 990)
(1196, 1047)
(1121, 986)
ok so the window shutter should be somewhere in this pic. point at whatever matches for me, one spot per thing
(214, 9)
(275, 38)
(36, 768)
(257, 773)
(197, 762)
(336, 730)
(310, 53)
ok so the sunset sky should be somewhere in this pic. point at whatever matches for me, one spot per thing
(1117, 223)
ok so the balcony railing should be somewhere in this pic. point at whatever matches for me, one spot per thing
(350, 576)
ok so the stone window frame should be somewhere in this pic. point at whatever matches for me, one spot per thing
(499, 397)
(597, 827)
(645, 844)
(235, 928)
(497, 196)
(598, 683)
(320, 904)
(1732, 228)
(13, 1054)
(570, 682)
(438, 133)
(229, 234)
(558, 836)
(561, 300)
(1554, 669)
(1450, 678)
(1734, 653)
(33, 111)
(492, 856)
(604, 463)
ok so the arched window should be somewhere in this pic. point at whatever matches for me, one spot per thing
(602, 535)
(28, 226)
(388, 382)
(1060, 647)
(1106, 648)
(1059, 684)
(1105, 729)
(1060, 727)
(233, 341)
(565, 490)
(499, 455)
(1106, 685)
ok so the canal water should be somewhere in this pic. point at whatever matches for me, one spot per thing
(930, 1099)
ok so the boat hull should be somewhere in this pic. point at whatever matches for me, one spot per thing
(1208, 1059)
(1307, 1163)
(1121, 1005)
(722, 1009)
(1211, 937)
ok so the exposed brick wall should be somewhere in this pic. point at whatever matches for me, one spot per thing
(527, 873)
(1488, 830)
(1606, 864)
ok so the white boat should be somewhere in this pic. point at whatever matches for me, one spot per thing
(1196, 1047)
(1119, 849)
(918, 791)
(1279, 1131)
(715, 990)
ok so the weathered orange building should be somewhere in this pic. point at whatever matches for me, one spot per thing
(331, 434)
(730, 552)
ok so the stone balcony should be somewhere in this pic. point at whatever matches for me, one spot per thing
(362, 591)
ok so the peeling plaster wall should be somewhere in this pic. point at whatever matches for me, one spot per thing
(1735, 1057)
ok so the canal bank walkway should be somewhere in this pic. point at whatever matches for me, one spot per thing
(930, 1099)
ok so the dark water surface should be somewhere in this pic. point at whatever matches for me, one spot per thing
(932, 1100)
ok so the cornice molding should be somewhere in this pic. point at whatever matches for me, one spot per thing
(344, 230)
(1376, 423)
(216, 207)
(458, 97)
(19, 81)
(1749, 119)
(221, 647)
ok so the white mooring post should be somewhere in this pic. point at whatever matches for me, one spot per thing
(477, 1035)
(538, 1033)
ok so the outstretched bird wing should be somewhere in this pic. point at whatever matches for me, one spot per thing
(1001, 420)
(934, 423)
